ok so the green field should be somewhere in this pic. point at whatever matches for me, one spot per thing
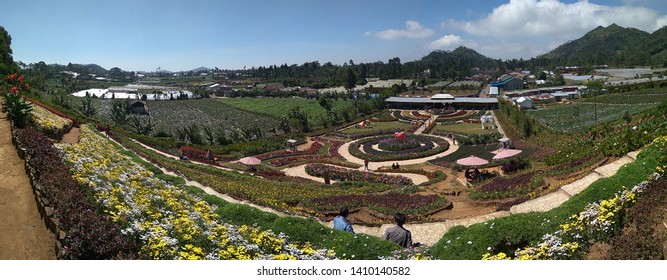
(280, 107)
(639, 97)
(580, 116)
(174, 114)
(464, 128)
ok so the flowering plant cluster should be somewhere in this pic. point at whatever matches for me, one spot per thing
(167, 222)
(343, 174)
(17, 83)
(413, 253)
(50, 123)
(16, 107)
(313, 149)
(385, 203)
(502, 187)
(280, 158)
(368, 133)
(428, 145)
(598, 221)
(393, 144)
(89, 233)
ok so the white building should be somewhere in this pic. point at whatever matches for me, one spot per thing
(524, 102)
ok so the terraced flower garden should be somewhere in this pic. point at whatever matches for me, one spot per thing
(171, 222)
(386, 147)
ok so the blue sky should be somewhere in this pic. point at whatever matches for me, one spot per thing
(182, 35)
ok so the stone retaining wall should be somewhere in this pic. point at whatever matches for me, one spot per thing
(44, 206)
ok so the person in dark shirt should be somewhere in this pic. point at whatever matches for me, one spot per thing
(398, 233)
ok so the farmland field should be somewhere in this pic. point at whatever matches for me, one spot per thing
(170, 115)
(280, 107)
(579, 116)
(631, 98)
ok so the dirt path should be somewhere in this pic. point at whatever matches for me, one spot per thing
(72, 137)
(23, 235)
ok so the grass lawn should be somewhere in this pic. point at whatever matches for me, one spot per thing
(378, 126)
(465, 128)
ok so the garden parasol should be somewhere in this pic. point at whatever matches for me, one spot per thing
(250, 161)
(472, 161)
(506, 153)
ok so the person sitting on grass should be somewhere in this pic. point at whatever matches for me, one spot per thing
(340, 222)
(399, 234)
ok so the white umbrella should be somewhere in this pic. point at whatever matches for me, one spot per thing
(506, 153)
(250, 161)
(472, 161)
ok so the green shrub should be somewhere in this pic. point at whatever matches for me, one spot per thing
(240, 214)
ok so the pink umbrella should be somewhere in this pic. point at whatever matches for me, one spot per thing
(472, 161)
(250, 161)
(506, 153)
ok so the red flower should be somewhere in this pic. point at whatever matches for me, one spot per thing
(21, 78)
(14, 90)
(27, 86)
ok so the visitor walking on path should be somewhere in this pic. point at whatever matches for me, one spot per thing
(340, 222)
(366, 164)
(399, 234)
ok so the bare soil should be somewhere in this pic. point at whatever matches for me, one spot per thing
(72, 136)
(23, 234)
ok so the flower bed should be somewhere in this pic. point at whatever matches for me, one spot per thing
(89, 234)
(504, 187)
(342, 174)
(167, 221)
(372, 132)
(393, 144)
(387, 203)
(598, 222)
(313, 149)
(427, 148)
(50, 123)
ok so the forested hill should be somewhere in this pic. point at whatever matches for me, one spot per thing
(615, 46)
(458, 63)
(7, 64)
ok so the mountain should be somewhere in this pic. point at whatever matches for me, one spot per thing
(458, 63)
(200, 69)
(613, 45)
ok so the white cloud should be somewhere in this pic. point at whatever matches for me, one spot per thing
(552, 17)
(447, 42)
(412, 30)
(526, 28)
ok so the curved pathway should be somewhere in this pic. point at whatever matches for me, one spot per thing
(300, 171)
(430, 233)
(23, 234)
(343, 150)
